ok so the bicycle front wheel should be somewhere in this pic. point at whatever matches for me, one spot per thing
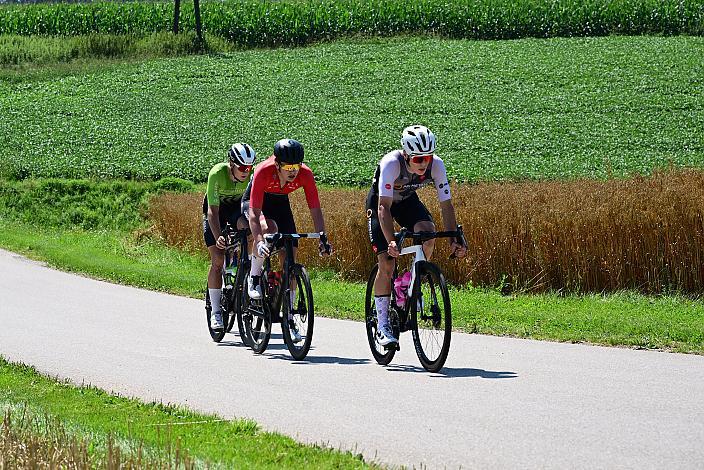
(432, 317)
(382, 355)
(240, 302)
(219, 334)
(257, 322)
(299, 317)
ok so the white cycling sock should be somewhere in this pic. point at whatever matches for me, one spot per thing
(382, 309)
(215, 299)
(257, 264)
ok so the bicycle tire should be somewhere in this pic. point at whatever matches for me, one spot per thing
(240, 300)
(216, 335)
(303, 316)
(382, 355)
(257, 321)
(229, 302)
(432, 325)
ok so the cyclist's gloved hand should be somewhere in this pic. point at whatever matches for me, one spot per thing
(458, 249)
(262, 249)
(324, 248)
(220, 242)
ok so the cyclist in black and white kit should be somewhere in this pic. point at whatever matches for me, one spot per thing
(393, 197)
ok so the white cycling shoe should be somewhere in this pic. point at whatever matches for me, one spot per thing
(384, 335)
(295, 335)
(254, 290)
(216, 321)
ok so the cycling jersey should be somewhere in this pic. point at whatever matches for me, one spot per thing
(266, 180)
(392, 178)
(222, 191)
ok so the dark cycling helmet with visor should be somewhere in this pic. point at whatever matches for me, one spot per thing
(288, 151)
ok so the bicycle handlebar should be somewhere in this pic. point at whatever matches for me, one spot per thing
(231, 234)
(458, 235)
(273, 238)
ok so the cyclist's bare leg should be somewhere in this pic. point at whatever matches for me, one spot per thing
(268, 226)
(217, 259)
(382, 283)
(429, 245)
(382, 290)
(242, 223)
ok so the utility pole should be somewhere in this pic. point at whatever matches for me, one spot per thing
(199, 23)
(177, 14)
(199, 26)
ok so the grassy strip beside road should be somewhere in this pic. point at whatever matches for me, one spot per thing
(159, 430)
(671, 323)
(502, 110)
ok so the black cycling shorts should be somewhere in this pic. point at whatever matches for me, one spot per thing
(406, 213)
(226, 214)
(276, 207)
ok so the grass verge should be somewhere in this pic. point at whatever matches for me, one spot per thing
(626, 319)
(162, 430)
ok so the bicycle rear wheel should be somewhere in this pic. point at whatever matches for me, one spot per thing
(431, 316)
(301, 317)
(216, 335)
(381, 354)
(257, 322)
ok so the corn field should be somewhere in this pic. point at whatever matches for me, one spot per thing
(643, 233)
(251, 23)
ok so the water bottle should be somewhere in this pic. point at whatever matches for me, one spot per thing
(401, 288)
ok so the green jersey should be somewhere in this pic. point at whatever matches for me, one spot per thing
(222, 191)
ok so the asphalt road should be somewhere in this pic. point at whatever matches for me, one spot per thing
(498, 403)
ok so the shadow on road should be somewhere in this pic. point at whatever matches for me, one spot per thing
(319, 359)
(455, 372)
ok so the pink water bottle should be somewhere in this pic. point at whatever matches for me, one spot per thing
(401, 287)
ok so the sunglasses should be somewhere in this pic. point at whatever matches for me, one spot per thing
(421, 158)
(244, 168)
(291, 167)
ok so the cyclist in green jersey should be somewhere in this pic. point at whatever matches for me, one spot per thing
(221, 204)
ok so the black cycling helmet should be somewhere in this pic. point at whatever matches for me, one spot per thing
(288, 151)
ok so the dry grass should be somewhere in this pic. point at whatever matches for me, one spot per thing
(28, 441)
(643, 233)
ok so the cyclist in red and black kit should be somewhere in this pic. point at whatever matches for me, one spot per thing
(393, 197)
(266, 205)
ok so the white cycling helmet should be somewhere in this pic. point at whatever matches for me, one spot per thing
(242, 154)
(418, 140)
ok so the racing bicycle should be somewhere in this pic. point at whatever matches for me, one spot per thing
(426, 312)
(275, 306)
(234, 277)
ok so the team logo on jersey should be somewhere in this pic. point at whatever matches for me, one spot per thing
(369, 213)
(387, 186)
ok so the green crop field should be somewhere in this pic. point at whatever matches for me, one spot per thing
(502, 110)
(288, 22)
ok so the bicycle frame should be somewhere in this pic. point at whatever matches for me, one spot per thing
(419, 255)
(286, 239)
